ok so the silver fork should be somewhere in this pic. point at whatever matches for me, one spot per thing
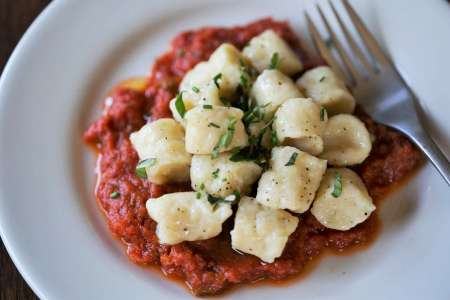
(380, 88)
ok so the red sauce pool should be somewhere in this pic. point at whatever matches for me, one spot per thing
(210, 266)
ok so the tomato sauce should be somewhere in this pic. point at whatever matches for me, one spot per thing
(210, 266)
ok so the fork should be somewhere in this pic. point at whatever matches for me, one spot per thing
(386, 96)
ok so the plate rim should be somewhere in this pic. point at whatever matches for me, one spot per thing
(49, 9)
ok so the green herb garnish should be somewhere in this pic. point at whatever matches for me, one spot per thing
(231, 199)
(198, 195)
(216, 80)
(274, 61)
(256, 114)
(244, 78)
(337, 191)
(323, 113)
(243, 100)
(292, 159)
(179, 105)
(322, 79)
(146, 163)
(215, 174)
(216, 152)
(196, 89)
(274, 138)
(213, 125)
(243, 81)
(202, 186)
(207, 106)
(114, 195)
(225, 139)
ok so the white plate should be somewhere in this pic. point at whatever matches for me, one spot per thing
(52, 87)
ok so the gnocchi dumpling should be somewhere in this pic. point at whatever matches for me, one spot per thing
(263, 47)
(261, 231)
(325, 87)
(346, 141)
(300, 123)
(197, 77)
(227, 60)
(214, 129)
(222, 177)
(292, 181)
(223, 69)
(342, 200)
(203, 95)
(186, 216)
(272, 88)
(162, 141)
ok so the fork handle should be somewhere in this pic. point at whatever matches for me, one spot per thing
(434, 154)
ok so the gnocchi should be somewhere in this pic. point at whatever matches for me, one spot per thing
(300, 123)
(203, 95)
(223, 69)
(263, 47)
(163, 141)
(292, 181)
(221, 177)
(272, 88)
(345, 209)
(261, 231)
(206, 128)
(186, 216)
(227, 61)
(326, 88)
(346, 141)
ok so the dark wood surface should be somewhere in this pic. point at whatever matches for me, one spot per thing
(15, 17)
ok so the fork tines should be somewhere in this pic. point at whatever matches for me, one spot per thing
(353, 75)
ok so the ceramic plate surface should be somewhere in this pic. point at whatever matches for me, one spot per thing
(52, 88)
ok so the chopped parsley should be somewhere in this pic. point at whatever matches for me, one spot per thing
(114, 195)
(274, 138)
(215, 174)
(274, 61)
(243, 101)
(216, 80)
(323, 113)
(322, 79)
(146, 163)
(256, 114)
(231, 199)
(202, 186)
(196, 89)
(255, 153)
(225, 139)
(198, 195)
(337, 189)
(179, 105)
(207, 106)
(243, 81)
(247, 76)
(292, 159)
(213, 125)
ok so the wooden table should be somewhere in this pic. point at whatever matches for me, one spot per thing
(15, 17)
